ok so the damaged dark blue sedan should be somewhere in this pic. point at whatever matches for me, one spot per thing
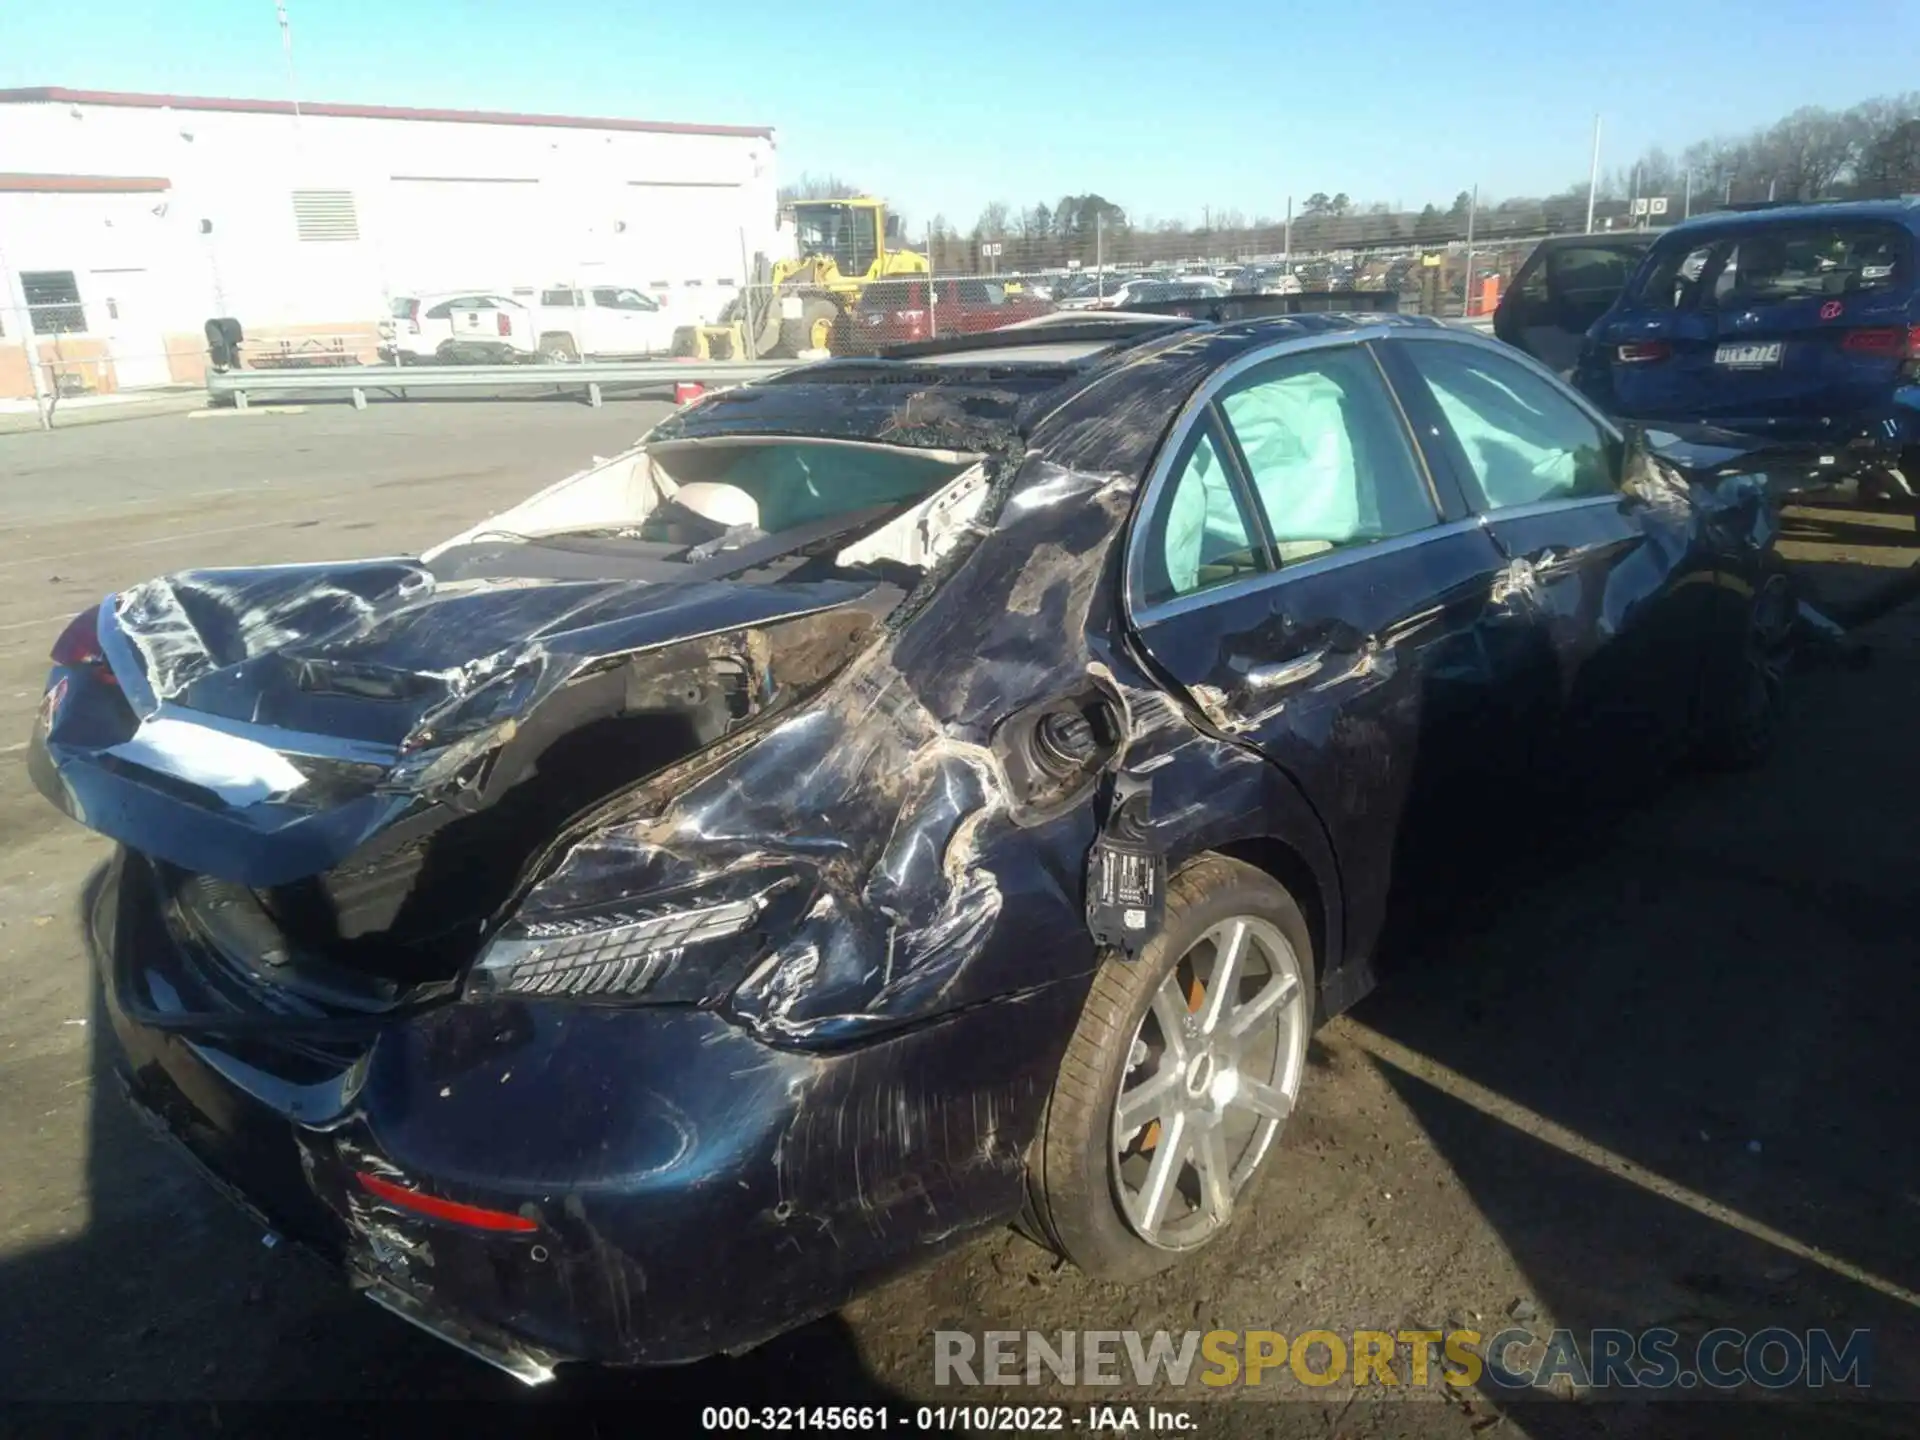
(903, 796)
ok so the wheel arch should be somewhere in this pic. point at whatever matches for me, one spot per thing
(1266, 822)
(1287, 867)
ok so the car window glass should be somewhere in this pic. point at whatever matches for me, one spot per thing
(402, 308)
(1198, 535)
(1327, 453)
(634, 300)
(562, 298)
(1525, 441)
(1795, 261)
(1674, 280)
(1585, 275)
(440, 311)
(1532, 285)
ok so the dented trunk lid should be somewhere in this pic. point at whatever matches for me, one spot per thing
(261, 727)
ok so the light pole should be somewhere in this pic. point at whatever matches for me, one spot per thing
(1593, 174)
(1466, 286)
(286, 44)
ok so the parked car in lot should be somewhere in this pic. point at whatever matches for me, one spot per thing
(1151, 292)
(1566, 284)
(721, 863)
(1799, 323)
(1086, 289)
(1265, 280)
(576, 322)
(897, 312)
(455, 327)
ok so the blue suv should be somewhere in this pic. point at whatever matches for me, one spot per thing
(1798, 323)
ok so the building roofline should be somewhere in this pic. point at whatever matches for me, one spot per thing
(83, 184)
(58, 95)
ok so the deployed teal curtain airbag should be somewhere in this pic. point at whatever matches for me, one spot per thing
(1300, 457)
(1203, 523)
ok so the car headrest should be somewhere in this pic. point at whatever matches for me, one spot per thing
(726, 505)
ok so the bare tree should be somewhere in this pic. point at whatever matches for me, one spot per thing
(818, 187)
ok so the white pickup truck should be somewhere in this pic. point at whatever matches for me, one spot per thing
(576, 322)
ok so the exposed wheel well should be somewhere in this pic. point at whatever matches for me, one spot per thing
(1283, 863)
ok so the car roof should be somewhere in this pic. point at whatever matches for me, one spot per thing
(1904, 212)
(1006, 389)
(1603, 240)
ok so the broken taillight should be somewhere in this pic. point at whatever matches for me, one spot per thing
(1642, 352)
(79, 644)
(432, 1206)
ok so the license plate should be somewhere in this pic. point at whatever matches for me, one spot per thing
(1747, 357)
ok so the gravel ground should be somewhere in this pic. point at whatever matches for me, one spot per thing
(1658, 1074)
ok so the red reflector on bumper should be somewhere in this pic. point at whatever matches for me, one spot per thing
(449, 1210)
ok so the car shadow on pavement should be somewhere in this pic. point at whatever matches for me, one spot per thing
(1673, 1063)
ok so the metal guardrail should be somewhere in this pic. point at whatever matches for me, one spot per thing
(358, 381)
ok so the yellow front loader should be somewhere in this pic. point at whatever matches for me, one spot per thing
(804, 304)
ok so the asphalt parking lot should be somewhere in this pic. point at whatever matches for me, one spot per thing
(1659, 1072)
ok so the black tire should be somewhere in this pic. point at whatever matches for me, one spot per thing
(557, 348)
(763, 327)
(797, 335)
(1073, 1203)
(1744, 694)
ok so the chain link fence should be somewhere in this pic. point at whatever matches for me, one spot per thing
(849, 283)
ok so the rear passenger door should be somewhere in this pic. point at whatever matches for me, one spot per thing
(1609, 573)
(1295, 571)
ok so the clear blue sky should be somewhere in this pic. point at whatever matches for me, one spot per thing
(1164, 108)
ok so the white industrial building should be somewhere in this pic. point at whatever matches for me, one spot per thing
(127, 221)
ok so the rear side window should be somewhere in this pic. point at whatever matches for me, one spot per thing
(560, 298)
(1523, 439)
(1326, 453)
(1675, 279)
(1200, 534)
(1585, 274)
(402, 307)
(1768, 266)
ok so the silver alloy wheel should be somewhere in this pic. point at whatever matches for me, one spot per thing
(1213, 1070)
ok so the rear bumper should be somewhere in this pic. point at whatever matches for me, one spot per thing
(1876, 436)
(659, 1150)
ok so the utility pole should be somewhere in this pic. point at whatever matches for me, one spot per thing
(1686, 209)
(1593, 175)
(1099, 262)
(1289, 240)
(1466, 285)
(286, 44)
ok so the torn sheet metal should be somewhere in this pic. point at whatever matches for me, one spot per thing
(742, 919)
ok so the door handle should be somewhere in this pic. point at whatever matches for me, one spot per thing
(1260, 681)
